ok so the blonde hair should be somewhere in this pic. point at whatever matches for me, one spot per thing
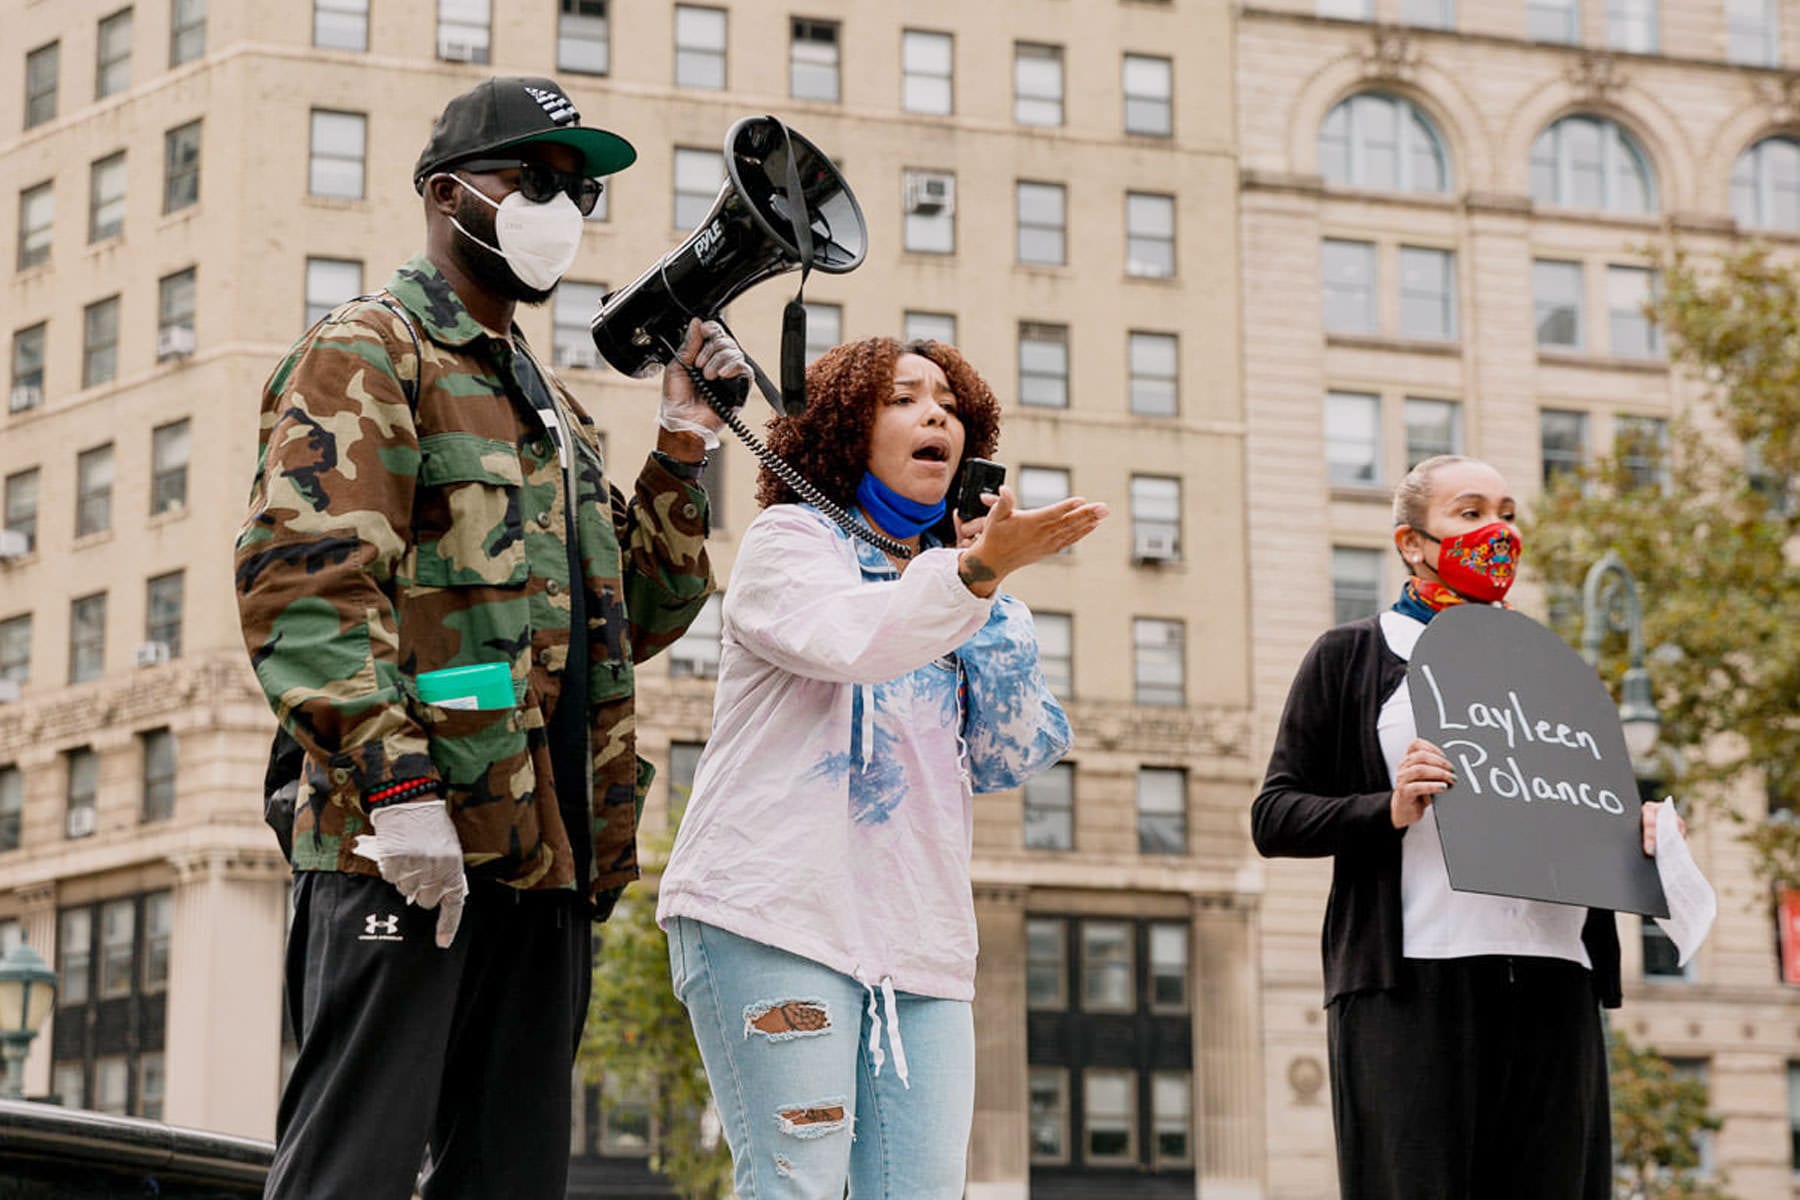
(1413, 496)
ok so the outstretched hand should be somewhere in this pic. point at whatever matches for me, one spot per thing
(1009, 537)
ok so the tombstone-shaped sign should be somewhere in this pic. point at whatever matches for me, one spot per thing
(1545, 805)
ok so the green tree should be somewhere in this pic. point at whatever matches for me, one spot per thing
(1707, 523)
(639, 1037)
(1659, 1118)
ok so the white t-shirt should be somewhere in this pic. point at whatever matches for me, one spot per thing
(1436, 921)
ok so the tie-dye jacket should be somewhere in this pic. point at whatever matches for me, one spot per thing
(857, 712)
(386, 539)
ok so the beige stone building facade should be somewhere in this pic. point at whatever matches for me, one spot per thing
(1445, 214)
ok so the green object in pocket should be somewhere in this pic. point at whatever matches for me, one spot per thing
(484, 685)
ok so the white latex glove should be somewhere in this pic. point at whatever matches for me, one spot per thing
(416, 847)
(713, 351)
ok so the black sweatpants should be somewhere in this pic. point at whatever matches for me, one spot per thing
(1485, 1079)
(457, 1060)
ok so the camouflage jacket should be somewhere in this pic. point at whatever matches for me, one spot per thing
(384, 541)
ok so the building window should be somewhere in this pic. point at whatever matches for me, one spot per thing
(1591, 162)
(158, 747)
(330, 282)
(94, 483)
(1171, 1118)
(27, 369)
(110, 1030)
(37, 212)
(1043, 365)
(150, 1086)
(1041, 486)
(1037, 84)
(164, 601)
(1793, 1082)
(112, 1074)
(824, 328)
(112, 69)
(15, 649)
(181, 166)
(1429, 14)
(583, 38)
(1765, 185)
(1046, 963)
(87, 638)
(1630, 330)
(699, 47)
(1556, 298)
(100, 342)
(1049, 821)
(175, 315)
(929, 201)
(929, 327)
(1149, 85)
(1347, 270)
(1056, 649)
(1661, 959)
(159, 928)
(696, 654)
(1162, 810)
(1106, 967)
(341, 24)
(1149, 235)
(463, 30)
(698, 177)
(41, 69)
(22, 505)
(1353, 439)
(1355, 583)
(1433, 427)
(1427, 293)
(1564, 437)
(1698, 1070)
(684, 761)
(168, 467)
(1049, 1114)
(1631, 25)
(74, 951)
(338, 142)
(1168, 984)
(1642, 446)
(1153, 384)
(1753, 32)
(1159, 662)
(1155, 518)
(106, 197)
(571, 337)
(925, 68)
(813, 60)
(82, 767)
(1382, 143)
(1553, 20)
(1109, 1101)
(12, 807)
(187, 31)
(1042, 218)
(1347, 10)
(118, 946)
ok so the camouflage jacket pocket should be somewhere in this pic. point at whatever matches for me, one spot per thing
(468, 526)
(484, 758)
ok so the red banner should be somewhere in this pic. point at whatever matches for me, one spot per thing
(1787, 912)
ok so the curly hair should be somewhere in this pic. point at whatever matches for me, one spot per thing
(828, 443)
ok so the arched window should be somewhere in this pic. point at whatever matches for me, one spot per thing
(1590, 162)
(1765, 185)
(1382, 143)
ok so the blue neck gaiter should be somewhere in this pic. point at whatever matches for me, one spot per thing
(898, 516)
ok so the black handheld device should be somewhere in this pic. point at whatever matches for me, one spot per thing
(978, 475)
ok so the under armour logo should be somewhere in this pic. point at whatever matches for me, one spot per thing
(379, 928)
(559, 107)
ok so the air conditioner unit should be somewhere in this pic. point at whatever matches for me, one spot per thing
(177, 341)
(80, 821)
(14, 543)
(578, 356)
(930, 194)
(151, 654)
(1154, 545)
(9, 691)
(455, 49)
(24, 396)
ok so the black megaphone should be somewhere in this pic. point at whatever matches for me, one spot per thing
(750, 235)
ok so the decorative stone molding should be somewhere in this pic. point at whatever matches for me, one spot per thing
(81, 711)
(36, 897)
(1389, 55)
(230, 864)
(1213, 732)
(1780, 94)
(1306, 1076)
(1596, 78)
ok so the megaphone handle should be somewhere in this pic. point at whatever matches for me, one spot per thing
(784, 470)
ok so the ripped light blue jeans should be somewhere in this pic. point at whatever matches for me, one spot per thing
(807, 1079)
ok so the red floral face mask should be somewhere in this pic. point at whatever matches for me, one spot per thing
(1482, 563)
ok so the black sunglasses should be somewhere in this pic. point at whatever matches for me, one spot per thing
(539, 182)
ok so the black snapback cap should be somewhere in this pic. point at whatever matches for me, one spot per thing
(501, 113)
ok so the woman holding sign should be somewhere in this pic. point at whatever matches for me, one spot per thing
(1467, 1055)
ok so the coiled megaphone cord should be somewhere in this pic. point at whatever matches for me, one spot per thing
(784, 470)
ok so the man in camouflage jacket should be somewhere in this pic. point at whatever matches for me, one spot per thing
(411, 513)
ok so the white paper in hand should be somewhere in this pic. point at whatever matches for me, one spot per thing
(1693, 904)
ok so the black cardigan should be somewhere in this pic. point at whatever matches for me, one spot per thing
(1327, 792)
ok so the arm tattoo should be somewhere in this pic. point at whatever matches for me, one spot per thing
(973, 571)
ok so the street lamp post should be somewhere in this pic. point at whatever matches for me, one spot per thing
(1609, 604)
(27, 994)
